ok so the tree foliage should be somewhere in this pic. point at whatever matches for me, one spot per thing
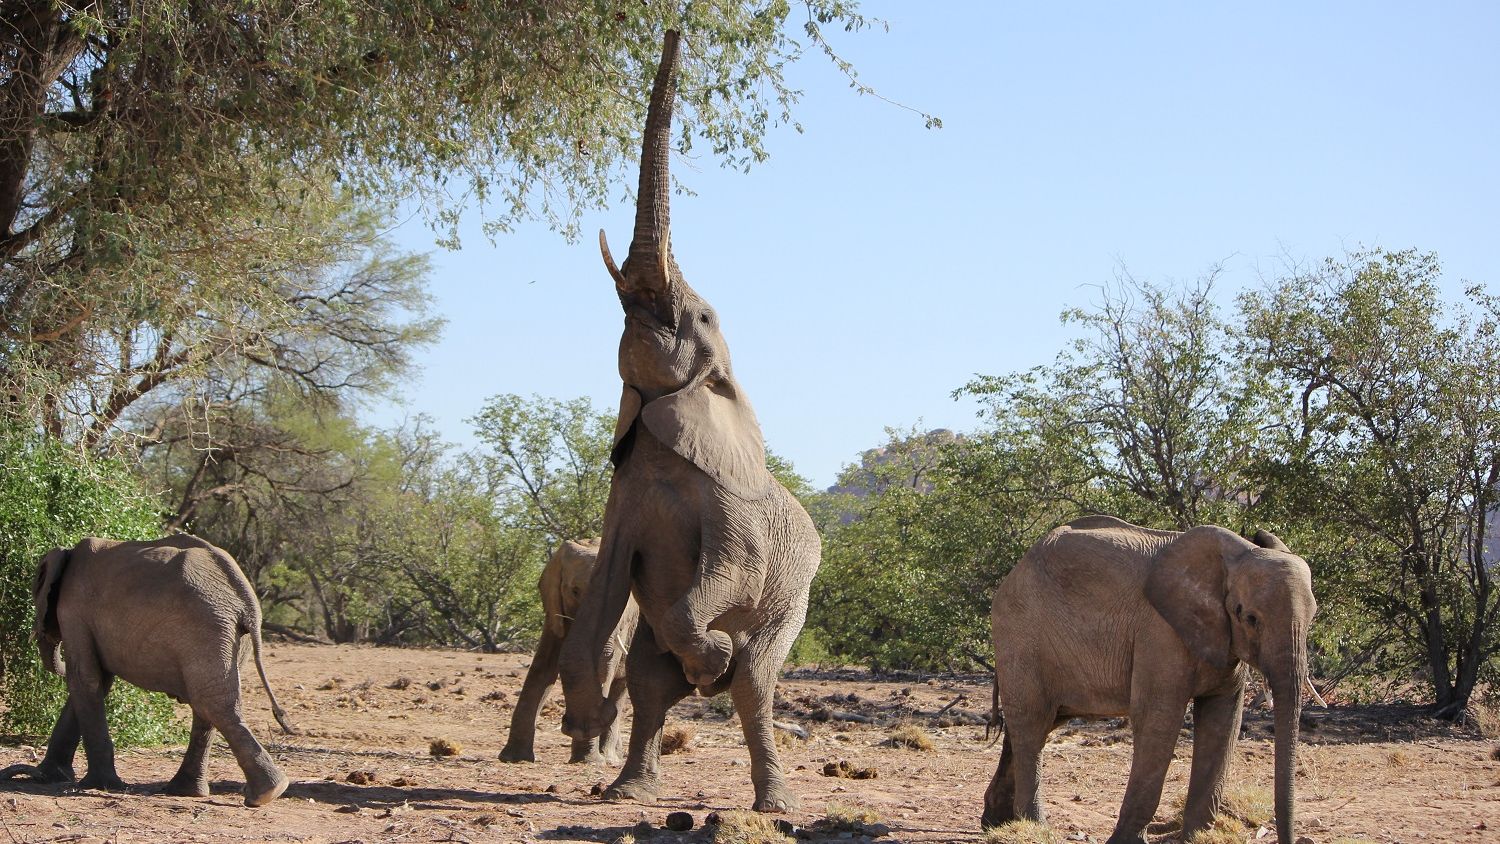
(52, 497)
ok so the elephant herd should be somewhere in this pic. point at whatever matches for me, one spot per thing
(700, 584)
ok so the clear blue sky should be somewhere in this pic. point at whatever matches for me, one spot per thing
(872, 266)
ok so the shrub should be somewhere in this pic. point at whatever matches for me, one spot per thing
(51, 496)
(1021, 832)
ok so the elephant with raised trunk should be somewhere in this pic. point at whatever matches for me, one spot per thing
(717, 553)
(1104, 618)
(170, 615)
(564, 580)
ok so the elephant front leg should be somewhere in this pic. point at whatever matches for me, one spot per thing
(609, 740)
(730, 576)
(519, 744)
(88, 685)
(1155, 732)
(1216, 727)
(192, 778)
(656, 683)
(62, 745)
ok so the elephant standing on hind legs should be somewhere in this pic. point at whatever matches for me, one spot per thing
(1103, 618)
(564, 580)
(718, 554)
(169, 615)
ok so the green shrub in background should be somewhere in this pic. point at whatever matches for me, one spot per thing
(52, 496)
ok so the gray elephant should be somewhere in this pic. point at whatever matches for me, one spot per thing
(562, 584)
(717, 553)
(1104, 618)
(169, 615)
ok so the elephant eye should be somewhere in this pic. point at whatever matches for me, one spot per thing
(1250, 619)
(705, 318)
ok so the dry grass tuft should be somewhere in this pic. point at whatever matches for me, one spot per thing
(844, 769)
(1398, 758)
(848, 817)
(911, 737)
(741, 827)
(1485, 718)
(1495, 753)
(1251, 805)
(1223, 829)
(676, 739)
(789, 741)
(1021, 832)
(443, 747)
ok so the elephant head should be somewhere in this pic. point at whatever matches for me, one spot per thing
(1231, 599)
(44, 589)
(673, 358)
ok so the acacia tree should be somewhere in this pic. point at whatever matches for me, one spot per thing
(1392, 447)
(1144, 416)
(156, 159)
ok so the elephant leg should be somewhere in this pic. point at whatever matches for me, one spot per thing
(753, 689)
(1216, 727)
(192, 778)
(1027, 736)
(88, 685)
(519, 745)
(656, 683)
(1155, 724)
(609, 740)
(216, 697)
(1000, 797)
(62, 745)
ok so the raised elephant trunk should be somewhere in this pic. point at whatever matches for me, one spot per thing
(1287, 683)
(650, 259)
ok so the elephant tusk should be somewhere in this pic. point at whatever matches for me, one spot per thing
(609, 262)
(1313, 690)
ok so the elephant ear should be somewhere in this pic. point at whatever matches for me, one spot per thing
(1267, 539)
(713, 427)
(44, 589)
(1187, 585)
(630, 408)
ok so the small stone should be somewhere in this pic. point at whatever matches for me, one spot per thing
(551, 789)
(712, 819)
(597, 789)
(680, 821)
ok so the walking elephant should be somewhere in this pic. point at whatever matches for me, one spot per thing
(1105, 618)
(717, 553)
(564, 580)
(169, 615)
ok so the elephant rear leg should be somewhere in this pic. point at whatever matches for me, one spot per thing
(656, 683)
(753, 689)
(216, 699)
(192, 778)
(609, 740)
(1000, 797)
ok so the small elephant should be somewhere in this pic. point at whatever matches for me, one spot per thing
(169, 615)
(563, 581)
(1104, 618)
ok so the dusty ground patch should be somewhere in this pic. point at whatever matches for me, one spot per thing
(362, 771)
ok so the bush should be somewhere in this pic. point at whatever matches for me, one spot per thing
(51, 496)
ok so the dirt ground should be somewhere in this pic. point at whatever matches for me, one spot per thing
(369, 715)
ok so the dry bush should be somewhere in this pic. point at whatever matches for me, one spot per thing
(1021, 832)
(741, 827)
(911, 737)
(1223, 829)
(443, 747)
(1398, 758)
(1485, 718)
(676, 739)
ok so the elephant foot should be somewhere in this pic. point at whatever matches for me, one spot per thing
(263, 792)
(1129, 838)
(588, 726)
(777, 800)
(43, 773)
(711, 659)
(102, 782)
(634, 789)
(517, 754)
(185, 787)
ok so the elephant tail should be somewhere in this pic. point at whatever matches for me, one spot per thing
(276, 710)
(996, 721)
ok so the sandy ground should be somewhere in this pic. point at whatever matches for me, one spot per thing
(1371, 774)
